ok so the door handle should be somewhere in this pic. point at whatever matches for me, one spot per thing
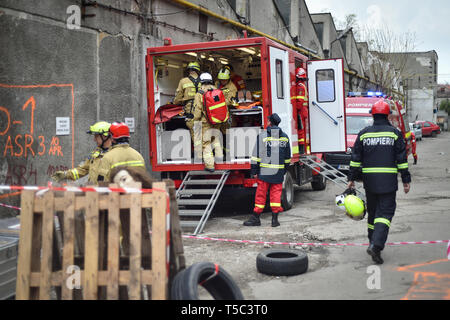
(323, 110)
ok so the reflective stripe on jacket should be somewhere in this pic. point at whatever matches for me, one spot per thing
(119, 155)
(271, 155)
(379, 154)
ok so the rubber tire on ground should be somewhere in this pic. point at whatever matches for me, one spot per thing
(221, 286)
(282, 262)
(319, 183)
(434, 134)
(287, 194)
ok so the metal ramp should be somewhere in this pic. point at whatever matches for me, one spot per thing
(329, 172)
(197, 196)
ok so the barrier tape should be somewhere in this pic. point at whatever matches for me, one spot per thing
(80, 189)
(8, 206)
(311, 243)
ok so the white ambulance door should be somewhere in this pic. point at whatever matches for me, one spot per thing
(281, 95)
(326, 106)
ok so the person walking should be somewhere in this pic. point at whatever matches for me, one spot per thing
(120, 153)
(100, 131)
(271, 157)
(378, 155)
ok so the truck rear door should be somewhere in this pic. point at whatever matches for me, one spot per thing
(326, 106)
(281, 99)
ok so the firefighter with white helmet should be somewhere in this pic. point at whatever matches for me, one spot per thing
(120, 153)
(300, 103)
(100, 131)
(207, 136)
(185, 93)
(379, 154)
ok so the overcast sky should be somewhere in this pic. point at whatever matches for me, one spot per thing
(430, 21)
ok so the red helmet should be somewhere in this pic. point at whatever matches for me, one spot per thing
(119, 130)
(380, 107)
(300, 73)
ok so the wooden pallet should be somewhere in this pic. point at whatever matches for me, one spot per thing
(86, 247)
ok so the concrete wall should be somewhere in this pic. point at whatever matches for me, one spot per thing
(421, 105)
(47, 70)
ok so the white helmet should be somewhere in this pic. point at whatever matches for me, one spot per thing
(205, 77)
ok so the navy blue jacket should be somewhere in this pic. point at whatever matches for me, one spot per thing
(271, 155)
(379, 154)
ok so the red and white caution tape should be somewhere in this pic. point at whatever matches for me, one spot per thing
(310, 243)
(80, 189)
(8, 206)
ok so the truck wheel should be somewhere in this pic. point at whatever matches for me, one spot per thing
(319, 183)
(287, 195)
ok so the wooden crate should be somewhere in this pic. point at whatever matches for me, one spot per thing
(108, 267)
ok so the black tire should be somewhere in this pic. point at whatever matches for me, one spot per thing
(220, 286)
(434, 134)
(278, 262)
(287, 195)
(319, 183)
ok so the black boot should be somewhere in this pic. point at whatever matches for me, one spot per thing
(275, 222)
(253, 221)
(375, 253)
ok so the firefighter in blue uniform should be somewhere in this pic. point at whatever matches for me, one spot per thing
(379, 154)
(271, 157)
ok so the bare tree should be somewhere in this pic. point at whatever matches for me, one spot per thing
(389, 58)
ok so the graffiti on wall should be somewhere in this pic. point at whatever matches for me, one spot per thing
(28, 142)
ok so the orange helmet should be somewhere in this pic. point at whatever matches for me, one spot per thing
(300, 73)
(380, 107)
(119, 130)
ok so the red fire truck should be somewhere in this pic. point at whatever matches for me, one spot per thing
(268, 70)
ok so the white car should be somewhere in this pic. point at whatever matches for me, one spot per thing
(417, 129)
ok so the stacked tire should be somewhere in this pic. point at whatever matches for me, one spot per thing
(214, 279)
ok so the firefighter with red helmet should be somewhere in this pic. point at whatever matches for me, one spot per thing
(271, 157)
(300, 102)
(379, 154)
(120, 153)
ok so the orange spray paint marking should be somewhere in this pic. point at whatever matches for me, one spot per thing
(33, 106)
(55, 148)
(428, 285)
(8, 123)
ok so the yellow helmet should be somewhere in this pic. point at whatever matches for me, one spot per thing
(224, 74)
(355, 207)
(194, 66)
(101, 127)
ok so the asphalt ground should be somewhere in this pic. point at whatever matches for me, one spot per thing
(410, 272)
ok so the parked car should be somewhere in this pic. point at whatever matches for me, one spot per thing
(417, 129)
(429, 129)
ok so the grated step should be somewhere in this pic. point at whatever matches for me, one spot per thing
(182, 202)
(196, 191)
(196, 213)
(203, 181)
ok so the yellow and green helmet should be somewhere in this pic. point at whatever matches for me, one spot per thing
(355, 207)
(101, 127)
(194, 65)
(224, 74)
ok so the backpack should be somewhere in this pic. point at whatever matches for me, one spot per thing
(215, 106)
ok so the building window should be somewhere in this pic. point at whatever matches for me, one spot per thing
(325, 88)
(203, 23)
(319, 31)
(279, 77)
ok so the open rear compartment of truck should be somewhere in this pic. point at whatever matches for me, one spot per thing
(171, 140)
